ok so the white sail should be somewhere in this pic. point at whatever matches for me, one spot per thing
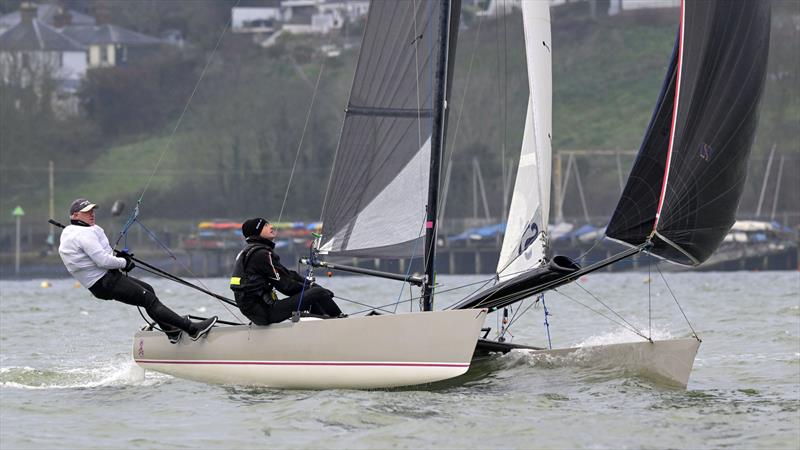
(526, 230)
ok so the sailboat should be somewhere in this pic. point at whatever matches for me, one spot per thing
(383, 196)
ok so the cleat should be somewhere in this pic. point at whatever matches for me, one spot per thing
(201, 328)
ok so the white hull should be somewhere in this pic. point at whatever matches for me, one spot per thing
(667, 361)
(358, 352)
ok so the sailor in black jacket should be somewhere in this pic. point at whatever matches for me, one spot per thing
(258, 270)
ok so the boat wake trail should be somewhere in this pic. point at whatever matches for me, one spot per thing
(121, 373)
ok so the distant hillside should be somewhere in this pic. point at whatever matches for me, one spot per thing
(233, 152)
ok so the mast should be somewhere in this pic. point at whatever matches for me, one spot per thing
(437, 144)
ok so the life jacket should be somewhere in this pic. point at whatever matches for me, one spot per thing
(248, 287)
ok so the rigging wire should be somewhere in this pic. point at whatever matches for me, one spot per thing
(421, 232)
(185, 108)
(370, 307)
(443, 192)
(133, 218)
(600, 313)
(305, 127)
(602, 303)
(694, 333)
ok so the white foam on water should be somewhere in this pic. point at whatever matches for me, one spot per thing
(623, 335)
(114, 374)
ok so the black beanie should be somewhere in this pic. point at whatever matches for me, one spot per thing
(253, 227)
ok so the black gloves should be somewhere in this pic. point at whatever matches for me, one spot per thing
(129, 264)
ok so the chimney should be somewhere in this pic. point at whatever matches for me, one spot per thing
(27, 12)
(63, 18)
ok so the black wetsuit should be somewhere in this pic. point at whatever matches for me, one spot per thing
(126, 289)
(258, 271)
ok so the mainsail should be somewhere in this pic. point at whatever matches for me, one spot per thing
(526, 231)
(376, 204)
(685, 185)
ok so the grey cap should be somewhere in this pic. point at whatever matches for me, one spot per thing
(81, 205)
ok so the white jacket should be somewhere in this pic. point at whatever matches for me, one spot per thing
(87, 254)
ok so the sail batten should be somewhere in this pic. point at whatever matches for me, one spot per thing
(376, 203)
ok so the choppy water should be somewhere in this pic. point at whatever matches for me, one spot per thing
(67, 379)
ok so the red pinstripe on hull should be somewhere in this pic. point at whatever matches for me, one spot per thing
(299, 363)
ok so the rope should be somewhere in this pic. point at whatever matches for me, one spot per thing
(152, 325)
(485, 282)
(443, 198)
(303, 135)
(185, 267)
(408, 271)
(606, 306)
(186, 107)
(628, 327)
(135, 213)
(546, 322)
(381, 308)
(188, 102)
(694, 333)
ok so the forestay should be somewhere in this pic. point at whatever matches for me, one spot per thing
(526, 232)
(376, 202)
(687, 180)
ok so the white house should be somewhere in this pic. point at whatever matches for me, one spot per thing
(254, 19)
(32, 52)
(32, 48)
(298, 16)
(110, 45)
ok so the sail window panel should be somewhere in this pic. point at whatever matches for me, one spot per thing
(396, 214)
(391, 223)
(384, 149)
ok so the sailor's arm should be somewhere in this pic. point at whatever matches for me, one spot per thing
(100, 255)
(280, 277)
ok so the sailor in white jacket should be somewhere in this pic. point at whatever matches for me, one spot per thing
(88, 256)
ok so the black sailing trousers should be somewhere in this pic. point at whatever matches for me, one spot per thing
(129, 290)
(316, 300)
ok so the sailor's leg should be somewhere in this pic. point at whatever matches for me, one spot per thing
(322, 301)
(164, 326)
(283, 309)
(256, 310)
(131, 291)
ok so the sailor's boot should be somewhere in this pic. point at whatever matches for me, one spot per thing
(199, 329)
(173, 334)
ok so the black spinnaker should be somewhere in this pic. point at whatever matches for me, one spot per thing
(688, 178)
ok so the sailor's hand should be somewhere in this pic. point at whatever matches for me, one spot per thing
(129, 265)
(123, 254)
